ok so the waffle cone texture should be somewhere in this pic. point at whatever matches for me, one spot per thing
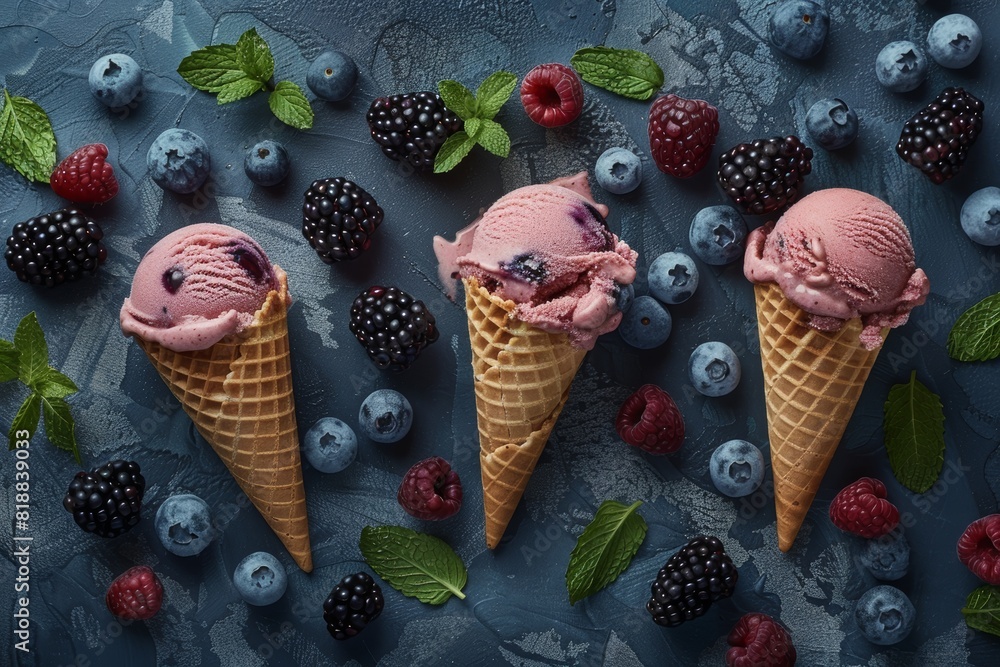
(812, 382)
(238, 393)
(522, 377)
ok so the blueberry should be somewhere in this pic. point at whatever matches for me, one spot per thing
(981, 216)
(332, 76)
(260, 579)
(954, 41)
(618, 171)
(673, 277)
(887, 557)
(385, 416)
(885, 615)
(267, 163)
(737, 468)
(832, 124)
(179, 161)
(184, 525)
(901, 66)
(330, 445)
(717, 235)
(115, 80)
(798, 28)
(714, 369)
(625, 297)
(646, 325)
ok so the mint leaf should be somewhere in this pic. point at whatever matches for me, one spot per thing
(212, 68)
(494, 138)
(26, 419)
(604, 549)
(27, 142)
(458, 98)
(976, 334)
(290, 105)
(10, 361)
(982, 610)
(53, 384)
(415, 564)
(494, 92)
(914, 434)
(625, 72)
(237, 90)
(30, 343)
(59, 425)
(452, 151)
(254, 56)
(473, 126)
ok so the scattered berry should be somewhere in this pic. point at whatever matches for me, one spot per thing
(260, 579)
(339, 218)
(954, 41)
(937, 139)
(330, 445)
(758, 640)
(179, 161)
(766, 175)
(798, 28)
(885, 615)
(714, 369)
(691, 580)
(430, 490)
(135, 595)
(717, 235)
(861, 509)
(832, 124)
(107, 500)
(332, 76)
(646, 325)
(392, 326)
(650, 420)
(552, 95)
(682, 134)
(979, 548)
(385, 416)
(901, 66)
(981, 216)
(737, 468)
(184, 525)
(85, 176)
(352, 604)
(887, 557)
(673, 278)
(624, 297)
(266, 163)
(55, 248)
(412, 127)
(618, 170)
(115, 80)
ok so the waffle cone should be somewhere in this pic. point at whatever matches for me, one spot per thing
(812, 382)
(238, 393)
(522, 377)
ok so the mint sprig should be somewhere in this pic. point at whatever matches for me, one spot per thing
(914, 434)
(27, 142)
(975, 336)
(604, 549)
(237, 71)
(982, 610)
(415, 564)
(477, 111)
(625, 72)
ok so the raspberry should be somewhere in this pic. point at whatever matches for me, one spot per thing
(552, 95)
(682, 134)
(937, 139)
(353, 603)
(85, 177)
(649, 419)
(861, 508)
(431, 490)
(979, 548)
(135, 595)
(759, 641)
(765, 175)
(690, 581)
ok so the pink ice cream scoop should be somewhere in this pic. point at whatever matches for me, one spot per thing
(548, 249)
(196, 286)
(839, 254)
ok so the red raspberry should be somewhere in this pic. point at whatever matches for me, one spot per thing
(135, 595)
(650, 420)
(861, 509)
(552, 94)
(431, 490)
(85, 177)
(759, 641)
(681, 134)
(979, 548)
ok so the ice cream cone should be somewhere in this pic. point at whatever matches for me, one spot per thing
(812, 381)
(522, 377)
(238, 393)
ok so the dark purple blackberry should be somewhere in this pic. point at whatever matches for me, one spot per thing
(54, 248)
(691, 580)
(353, 603)
(412, 127)
(937, 139)
(766, 175)
(339, 218)
(107, 500)
(392, 326)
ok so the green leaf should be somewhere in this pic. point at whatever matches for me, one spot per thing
(604, 549)
(914, 434)
(458, 98)
(59, 427)
(494, 138)
(625, 72)
(494, 92)
(10, 361)
(473, 126)
(415, 564)
(291, 106)
(27, 142)
(237, 90)
(982, 610)
(212, 68)
(30, 343)
(452, 151)
(254, 56)
(53, 384)
(976, 334)
(26, 419)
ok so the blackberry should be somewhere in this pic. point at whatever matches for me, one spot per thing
(339, 218)
(937, 139)
(766, 175)
(690, 581)
(412, 127)
(392, 326)
(353, 603)
(107, 499)
(54, 248)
